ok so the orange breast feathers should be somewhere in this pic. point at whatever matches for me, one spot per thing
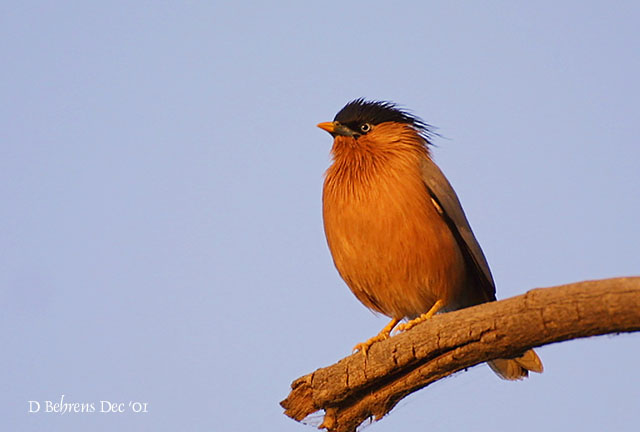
(387, 237)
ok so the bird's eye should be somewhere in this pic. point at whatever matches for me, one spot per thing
(366, 127)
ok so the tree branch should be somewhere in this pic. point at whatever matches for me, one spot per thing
(355, 388)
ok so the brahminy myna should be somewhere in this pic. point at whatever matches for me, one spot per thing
(395, 227)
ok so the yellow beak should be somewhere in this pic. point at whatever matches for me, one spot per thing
(328, 126)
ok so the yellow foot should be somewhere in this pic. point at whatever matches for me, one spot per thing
(384, 334)
(425, 316)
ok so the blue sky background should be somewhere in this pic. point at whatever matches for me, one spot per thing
(161, 172)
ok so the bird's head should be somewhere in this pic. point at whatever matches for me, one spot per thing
(373, 123)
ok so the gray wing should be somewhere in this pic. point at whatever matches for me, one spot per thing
(442, 192)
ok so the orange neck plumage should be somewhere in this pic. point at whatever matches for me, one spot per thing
(356, 162)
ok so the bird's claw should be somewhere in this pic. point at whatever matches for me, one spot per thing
(364, 346)
(425, 316)
(385, 333)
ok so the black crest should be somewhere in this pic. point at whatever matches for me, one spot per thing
(361, 111)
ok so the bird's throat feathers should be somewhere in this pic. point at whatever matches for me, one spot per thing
(390, 150)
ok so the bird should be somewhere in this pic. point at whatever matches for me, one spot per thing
(395, 227)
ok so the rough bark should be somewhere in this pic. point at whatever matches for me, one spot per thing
(356, 389)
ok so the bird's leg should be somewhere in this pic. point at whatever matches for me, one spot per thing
(384, 334)
(425, 316)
